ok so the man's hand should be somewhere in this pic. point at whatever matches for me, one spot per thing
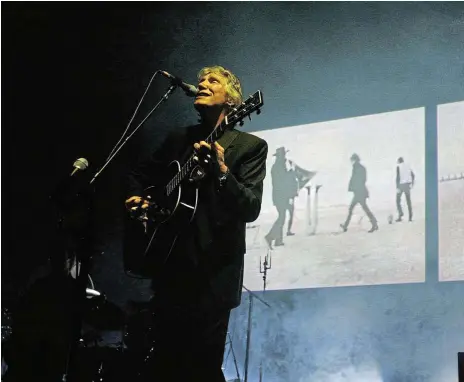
(218, 151)
(137, 207)
(136, 202)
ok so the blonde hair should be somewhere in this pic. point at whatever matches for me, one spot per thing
(233, 87)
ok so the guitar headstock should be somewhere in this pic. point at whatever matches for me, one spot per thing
(253, 103)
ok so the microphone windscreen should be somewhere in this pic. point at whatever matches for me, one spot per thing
(81, 163)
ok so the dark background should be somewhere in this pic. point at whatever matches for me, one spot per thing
(73, 73)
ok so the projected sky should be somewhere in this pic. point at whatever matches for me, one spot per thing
(320, 253)
(450, 139)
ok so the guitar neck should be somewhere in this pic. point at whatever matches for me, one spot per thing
(252, 104)
(190, 164)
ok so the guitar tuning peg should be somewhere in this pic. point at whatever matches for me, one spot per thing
(249, 117)
(258, 111)
(241, 123)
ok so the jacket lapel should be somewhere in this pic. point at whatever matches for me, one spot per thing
(227, 141)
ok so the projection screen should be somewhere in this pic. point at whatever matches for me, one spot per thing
(316, 251)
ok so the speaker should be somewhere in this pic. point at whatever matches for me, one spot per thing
(461, 367)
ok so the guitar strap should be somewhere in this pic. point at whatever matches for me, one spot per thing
(233, 134)
(225, 141)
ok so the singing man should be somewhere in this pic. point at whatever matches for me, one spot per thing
(201, 281)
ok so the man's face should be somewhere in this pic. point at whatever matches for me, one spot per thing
(212, 91)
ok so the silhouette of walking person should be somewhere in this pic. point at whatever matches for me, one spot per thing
(404, 183)
(360, 192)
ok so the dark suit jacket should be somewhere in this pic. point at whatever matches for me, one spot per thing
(284, 184)
(280, 186)
(358, 181)
(219, 223)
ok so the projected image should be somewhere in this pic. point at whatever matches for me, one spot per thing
(450, 139)
(343, 204)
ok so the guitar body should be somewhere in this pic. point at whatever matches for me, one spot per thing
(148, 244)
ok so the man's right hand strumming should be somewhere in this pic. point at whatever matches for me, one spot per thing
(135, 203)
(137, 207)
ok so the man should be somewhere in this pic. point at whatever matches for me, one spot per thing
(282, 192)
(404, 183)
(360, 192)
(202, 279)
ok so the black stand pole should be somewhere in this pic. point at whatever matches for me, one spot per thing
(83, 258)
(250, 310)
(247, 354)
(231, 350)
(75, 210)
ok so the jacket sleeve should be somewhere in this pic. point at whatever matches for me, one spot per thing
(243, 191)
(146, 172)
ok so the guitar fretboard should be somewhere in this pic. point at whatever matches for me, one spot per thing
(190, 164)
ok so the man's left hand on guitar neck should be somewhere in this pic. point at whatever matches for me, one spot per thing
(218, 151)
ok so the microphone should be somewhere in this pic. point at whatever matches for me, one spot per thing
(67, 189)
(190, 90)
(80, 165)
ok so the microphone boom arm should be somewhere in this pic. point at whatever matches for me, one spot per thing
(164, 98)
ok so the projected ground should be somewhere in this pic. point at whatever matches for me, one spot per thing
(320, 253)
(450, 140)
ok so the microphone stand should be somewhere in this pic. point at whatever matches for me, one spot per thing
(82, 271)
(75, 216)
(163, 99)
(266, 265)
(248, 340)
(231, 350)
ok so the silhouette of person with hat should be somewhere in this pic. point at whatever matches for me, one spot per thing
(283, 191)
(360, 192)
